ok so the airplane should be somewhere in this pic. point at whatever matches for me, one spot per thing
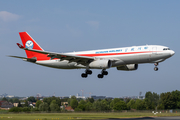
(126, 58)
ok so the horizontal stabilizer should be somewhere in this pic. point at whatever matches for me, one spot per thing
(27, 59)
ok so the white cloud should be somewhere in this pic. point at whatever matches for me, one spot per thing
(7, 16)
(94, 24)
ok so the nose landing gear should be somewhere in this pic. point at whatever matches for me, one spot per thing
(156, 68)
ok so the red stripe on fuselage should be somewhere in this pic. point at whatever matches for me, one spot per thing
(109, 54)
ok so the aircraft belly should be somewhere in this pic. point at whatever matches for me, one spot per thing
(59, 64)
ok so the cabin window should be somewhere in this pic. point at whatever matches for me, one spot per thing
(145, 47)
(166, 49)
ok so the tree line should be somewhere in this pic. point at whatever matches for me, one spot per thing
(152, 101)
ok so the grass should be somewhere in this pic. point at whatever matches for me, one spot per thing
(81, 116)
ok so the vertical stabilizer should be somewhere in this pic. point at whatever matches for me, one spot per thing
(29, 42)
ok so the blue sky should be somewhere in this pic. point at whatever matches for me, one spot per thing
(66, 26)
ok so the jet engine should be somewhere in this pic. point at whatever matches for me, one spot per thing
(101, 64)
(129, 67)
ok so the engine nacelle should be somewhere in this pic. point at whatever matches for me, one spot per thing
(100, 64)
(129, 67)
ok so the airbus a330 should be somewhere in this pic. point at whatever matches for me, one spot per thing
(126, 58)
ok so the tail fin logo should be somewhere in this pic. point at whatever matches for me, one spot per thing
(29, 44)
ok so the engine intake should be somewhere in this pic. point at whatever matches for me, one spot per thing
(129, 67)
(100, 64)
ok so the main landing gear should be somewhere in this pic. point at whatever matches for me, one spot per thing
(84, 75)
(156, 68)
(103, 72)
(89, 72)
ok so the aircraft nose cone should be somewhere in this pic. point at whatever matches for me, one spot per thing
(172, 53)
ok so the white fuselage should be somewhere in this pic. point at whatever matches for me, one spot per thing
(120, 56)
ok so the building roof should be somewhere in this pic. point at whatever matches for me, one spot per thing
(1, 102)
(69, 108)
(7, 105)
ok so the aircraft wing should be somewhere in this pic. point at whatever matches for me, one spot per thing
(62, 56)
(84, 60)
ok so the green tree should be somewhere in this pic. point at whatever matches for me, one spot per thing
(38, 103)
(105, 105)
(81, 105)
(178, 104)
(5, 99)
(19, 104)
(54, 107)
(11, 100)
(50, 99)
(58, 101)
(109, 100)
(53, 102)
(26, 109)
(47, 100)
(126, 100)
(82, 102)
(167, 101)
(15, 100)
(90, 100)
(26, 104)
(149, 104)
(160, 107)
(64, 100)
(140, 104)
(73, 97)
(101, 105)
(88, 106)
(34, 109)
(31, 99)
(176, 99)
(70, 100)
(121, 105)
(131, 104)
(114, 101)
(74, 103)
(151, 100)
(77, 109)
(97, 105)
(44, 106)
(15, 109)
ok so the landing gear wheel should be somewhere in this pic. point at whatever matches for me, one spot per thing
(156, 64)
(88, 72)
(105, 73)
(84, 75)
(100, 76)
(156, 68)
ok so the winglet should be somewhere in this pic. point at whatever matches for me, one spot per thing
(20, 46)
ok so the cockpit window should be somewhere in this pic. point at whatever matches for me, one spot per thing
(166, 49)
